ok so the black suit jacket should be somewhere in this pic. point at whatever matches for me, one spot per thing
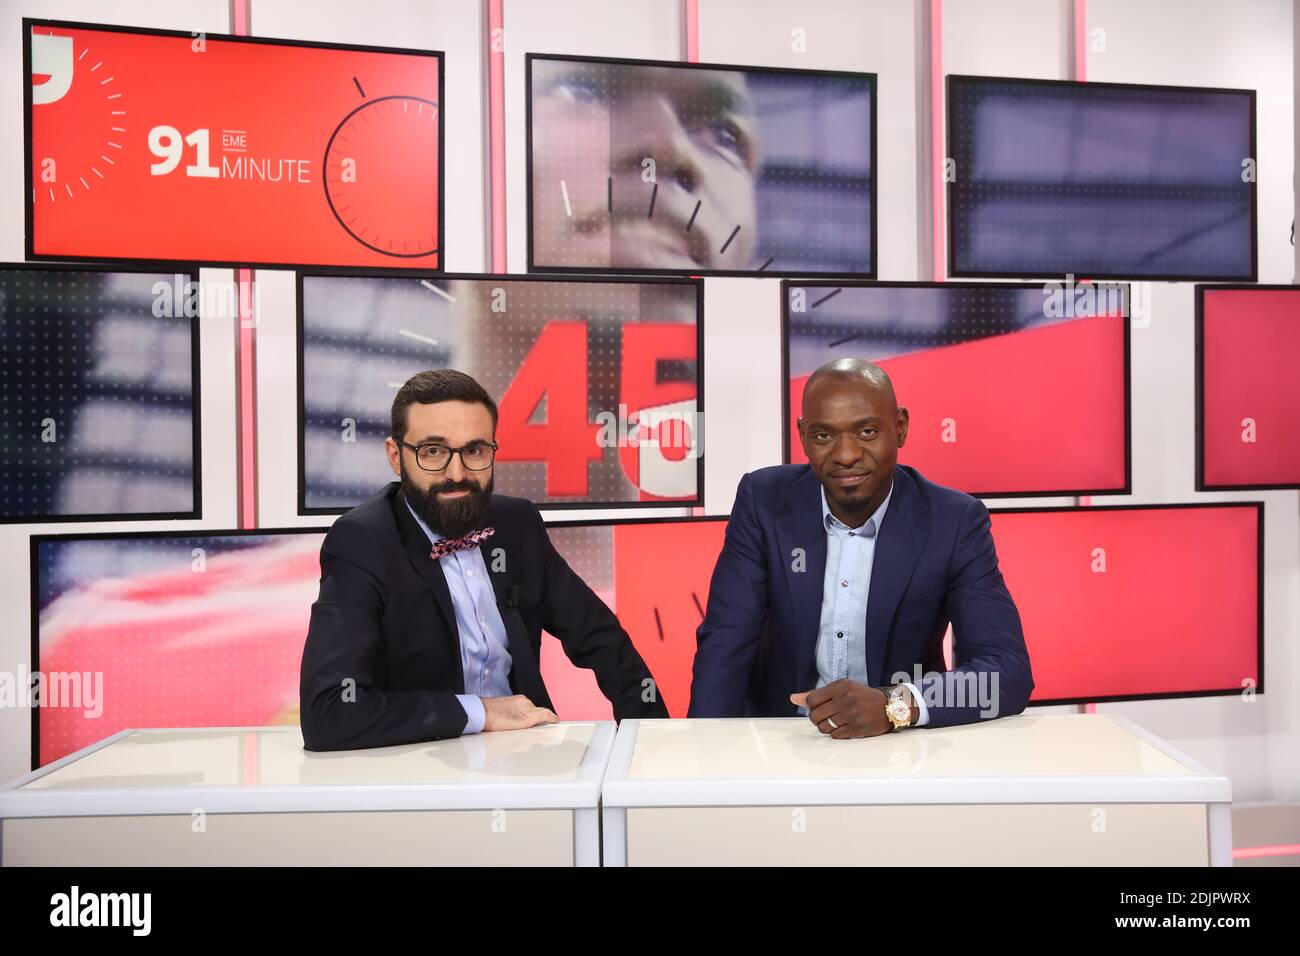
(384, 619)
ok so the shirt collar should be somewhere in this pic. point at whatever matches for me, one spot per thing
(433, 535)
(832, 523)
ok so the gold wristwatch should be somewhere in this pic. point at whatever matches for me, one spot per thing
(898, 710)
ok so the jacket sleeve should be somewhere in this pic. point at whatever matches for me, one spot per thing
(340, 706)
(592, 637)
(728, 638)
(992, 677)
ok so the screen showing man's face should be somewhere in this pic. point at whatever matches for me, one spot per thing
(691, 169)
(606, 137)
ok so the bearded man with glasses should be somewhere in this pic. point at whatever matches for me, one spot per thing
(434, 594)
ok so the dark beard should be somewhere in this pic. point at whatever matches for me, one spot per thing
(857, 502)
(451, 519)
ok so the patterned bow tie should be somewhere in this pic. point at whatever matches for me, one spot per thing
(445, 546)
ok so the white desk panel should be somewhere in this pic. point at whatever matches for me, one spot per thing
(1077, 789)
(142, 796)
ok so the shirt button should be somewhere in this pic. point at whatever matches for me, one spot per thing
(839, 634)
(844, 584)
(469, 573)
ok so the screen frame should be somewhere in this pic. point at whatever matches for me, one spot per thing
(191, 273)
(34, 582)
(532, 266)
(1201, 484)
(957, 79)
(36, 540)
(1258, 507)
(29, 200)
(300, 342)
(787, 412)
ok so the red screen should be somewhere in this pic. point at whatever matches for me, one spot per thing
(1250, 398)
(660, 574)
(208, 630)
(199, 148)
(1007, 392)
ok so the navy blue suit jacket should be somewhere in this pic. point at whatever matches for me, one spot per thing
(934, 563)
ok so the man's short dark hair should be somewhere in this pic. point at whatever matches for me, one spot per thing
(438, 385)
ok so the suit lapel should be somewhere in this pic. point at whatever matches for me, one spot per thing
(800, 526)
(901, 539)
(416, 544)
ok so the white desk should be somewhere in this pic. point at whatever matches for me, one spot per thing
(1090, 789)
(253, 796)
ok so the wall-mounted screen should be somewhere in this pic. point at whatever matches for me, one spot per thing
(659, 602)
(168, 630)
(1117, 603)
(1100, 180)
(599, 382)
(1012, 389)
(162, 145)
(643, 166)
(207, 629)
(99, 397)
(1247, 387)
(1137, 601)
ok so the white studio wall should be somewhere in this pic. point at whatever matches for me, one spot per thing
(1244, 45)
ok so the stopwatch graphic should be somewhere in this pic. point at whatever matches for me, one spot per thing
(79, 116)
(381, 175)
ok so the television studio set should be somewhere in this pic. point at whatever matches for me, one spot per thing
(969, 566)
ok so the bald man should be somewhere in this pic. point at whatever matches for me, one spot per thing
(838, 580)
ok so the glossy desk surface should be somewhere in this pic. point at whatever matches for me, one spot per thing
(266, 768)
(765, 761)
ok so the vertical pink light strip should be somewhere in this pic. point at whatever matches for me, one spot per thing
(497, 129)
(939, 269)
(691, 30)
(249, 774)
(246, 384)
(239, 17)
(1080, 71)
(690, 14)
(245, 357)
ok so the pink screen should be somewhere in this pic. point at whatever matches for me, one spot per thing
(1120, 602)
(1250, 400)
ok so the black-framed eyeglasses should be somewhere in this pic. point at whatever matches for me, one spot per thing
(431, 456)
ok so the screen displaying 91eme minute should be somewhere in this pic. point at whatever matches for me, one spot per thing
(155, 145)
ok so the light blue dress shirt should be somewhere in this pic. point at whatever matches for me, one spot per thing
(842, 631)
(484, 647)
